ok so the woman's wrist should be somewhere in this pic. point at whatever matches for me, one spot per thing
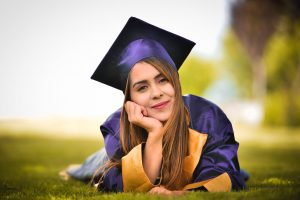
(155, 136)
(152, 158)
(154, 144)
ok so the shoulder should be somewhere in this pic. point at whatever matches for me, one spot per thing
(110, 130)
(201, 107)
(112, 123)
(206, 117)
(191, 100)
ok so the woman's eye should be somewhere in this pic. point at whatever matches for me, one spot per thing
(142, 88)
(163, 80)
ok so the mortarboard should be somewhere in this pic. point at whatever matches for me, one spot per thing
(136, 41)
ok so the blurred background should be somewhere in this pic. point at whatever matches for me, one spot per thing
(257, 76)
(246, 60)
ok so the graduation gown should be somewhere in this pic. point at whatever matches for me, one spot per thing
(212, 162)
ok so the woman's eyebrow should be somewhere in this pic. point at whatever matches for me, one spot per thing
(139, 82)
(145, 81)
(158, 76)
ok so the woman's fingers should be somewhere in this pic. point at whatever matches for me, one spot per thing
(163, 191)
(137, 112)
(155, 190)
(160, 191)
(138, 115)
(144, 111)
(134, 112)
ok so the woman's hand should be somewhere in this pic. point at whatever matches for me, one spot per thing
(152, 154)
(138, 115)
(163, 191)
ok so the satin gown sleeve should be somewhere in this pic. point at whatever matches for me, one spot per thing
(130, 176)
(218, 167)
(112, 181)
(219, 154)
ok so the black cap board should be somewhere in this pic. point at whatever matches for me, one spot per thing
(138, 40)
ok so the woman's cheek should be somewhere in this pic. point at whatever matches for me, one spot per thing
(141, 100)
(171, 90)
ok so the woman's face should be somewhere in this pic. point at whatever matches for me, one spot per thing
(150, 89)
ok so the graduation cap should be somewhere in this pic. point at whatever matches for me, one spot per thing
(139, 40)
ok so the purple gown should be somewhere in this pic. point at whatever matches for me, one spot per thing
(218, 156)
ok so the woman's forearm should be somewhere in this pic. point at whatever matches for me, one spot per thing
(152, 157)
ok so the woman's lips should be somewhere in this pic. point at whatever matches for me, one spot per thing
(160, 105)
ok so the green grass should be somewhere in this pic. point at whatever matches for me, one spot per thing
(29, 166)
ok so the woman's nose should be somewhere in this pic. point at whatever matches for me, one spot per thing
(156, 92)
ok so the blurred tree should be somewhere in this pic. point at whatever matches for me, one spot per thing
(283, 68)
(196, 75)
(269, 31)
(254, 22)
(237, 64)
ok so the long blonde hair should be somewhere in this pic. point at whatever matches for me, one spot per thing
(175, 139)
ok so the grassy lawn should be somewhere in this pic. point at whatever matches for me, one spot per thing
(29, 167)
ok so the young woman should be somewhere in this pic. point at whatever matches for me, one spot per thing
(160, 141)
